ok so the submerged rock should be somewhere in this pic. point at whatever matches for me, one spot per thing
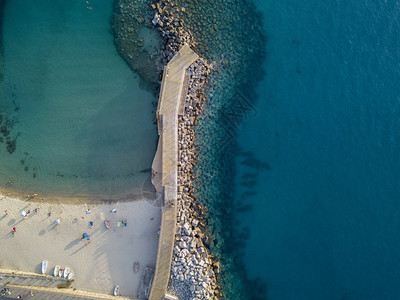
(11, 146)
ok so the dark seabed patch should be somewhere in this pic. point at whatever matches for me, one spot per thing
(8, 119)
(136, 42)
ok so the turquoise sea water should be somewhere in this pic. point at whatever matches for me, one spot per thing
(82, 124)
(324, 222)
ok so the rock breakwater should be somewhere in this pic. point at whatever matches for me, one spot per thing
(228, 33)
(194, 272)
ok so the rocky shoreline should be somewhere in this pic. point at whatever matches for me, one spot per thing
(194, 272)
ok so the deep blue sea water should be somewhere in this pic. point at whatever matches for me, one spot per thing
(325, 218)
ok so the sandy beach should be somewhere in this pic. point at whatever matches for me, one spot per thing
(99, 265)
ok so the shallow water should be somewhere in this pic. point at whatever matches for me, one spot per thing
(82, 124)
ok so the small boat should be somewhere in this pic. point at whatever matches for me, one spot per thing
(56, 270)
(44, 266)
(70, 275)
(136, 266)
(60, 273)
(66, 272)
(107, 223)
(116, 290)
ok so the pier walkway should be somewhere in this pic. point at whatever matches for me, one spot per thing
(165, 164)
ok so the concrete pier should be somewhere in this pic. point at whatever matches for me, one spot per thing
(165, 164)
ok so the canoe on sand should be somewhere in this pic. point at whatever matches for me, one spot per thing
(116, 290)
(66, 272)
(56, 270)
(44, 266)
(70, 275)
(107, 223)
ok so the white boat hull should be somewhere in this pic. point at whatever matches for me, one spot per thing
(116, 290)
(56, 270)
(66, 272)
(70, 275)
(44, 267)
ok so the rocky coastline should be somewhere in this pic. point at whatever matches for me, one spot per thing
(194, 271)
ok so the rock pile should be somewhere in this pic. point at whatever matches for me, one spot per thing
(129, 21)
(230, 34)
(194, 272)
(171, 26)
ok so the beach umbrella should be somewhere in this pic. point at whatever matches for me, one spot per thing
(85, 235)
(58, 221)
(23, 213)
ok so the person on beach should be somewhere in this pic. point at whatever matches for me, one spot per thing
(14, 231)
(6, 212)
(10, 182)
(5, 291)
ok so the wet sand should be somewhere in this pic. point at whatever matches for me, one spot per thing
(145, 192)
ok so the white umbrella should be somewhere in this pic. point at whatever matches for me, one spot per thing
(58, 221)
(23, 213)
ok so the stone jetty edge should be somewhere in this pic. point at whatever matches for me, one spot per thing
(194, 271)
